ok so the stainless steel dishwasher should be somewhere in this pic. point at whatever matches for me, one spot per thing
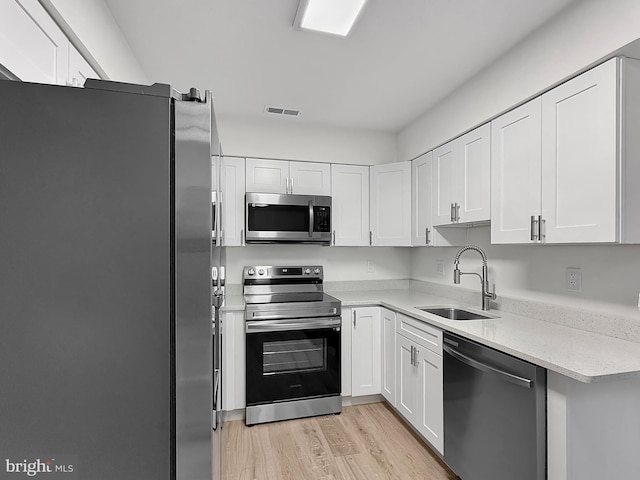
(494, 413)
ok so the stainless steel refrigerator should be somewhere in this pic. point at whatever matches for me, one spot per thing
(109, 365)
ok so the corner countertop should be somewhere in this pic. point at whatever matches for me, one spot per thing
(584, 356)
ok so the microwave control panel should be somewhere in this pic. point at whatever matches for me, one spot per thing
(321, 219)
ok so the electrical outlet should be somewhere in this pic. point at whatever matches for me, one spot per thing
(371, 267)
(574, 279)
(440, 267)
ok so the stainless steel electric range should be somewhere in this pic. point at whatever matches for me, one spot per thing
(293, 344)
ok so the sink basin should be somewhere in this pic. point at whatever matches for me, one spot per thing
(453, 313)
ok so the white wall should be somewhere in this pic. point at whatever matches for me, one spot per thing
(93, 30)
(288, 139)
(610, 274)
(587, 31)
(581, 35)
(340, 263)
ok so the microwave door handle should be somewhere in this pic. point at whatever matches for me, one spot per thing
(311, 220)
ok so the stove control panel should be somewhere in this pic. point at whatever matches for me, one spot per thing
(282, 272)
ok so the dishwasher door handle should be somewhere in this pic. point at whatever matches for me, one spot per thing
(509, 377)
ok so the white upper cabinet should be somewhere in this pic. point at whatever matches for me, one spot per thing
(310, 178)
(350, 205)
(579, 158)
(462, 179)
(35, 49)
(267, 176)
(390, 195)
(422, 231)
(232, 203)
(421, 225)
(281, 176)
(563, 164)
(32, 46)
(516, 174)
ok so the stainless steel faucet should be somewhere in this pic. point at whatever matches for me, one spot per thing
(484, 278)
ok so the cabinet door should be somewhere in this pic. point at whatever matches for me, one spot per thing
(421, 227)
(345, 354)
(232, 186)
(391, 204)
(365, 351)
(79, 69)
(233, 361)
(406, 380)
(430, 421)
(444, 169)
(267, 176)
(32, 46)
(388, 355)
(579, 157)
(474, 182)
(310, 178)
(350, 204)
(516, 173)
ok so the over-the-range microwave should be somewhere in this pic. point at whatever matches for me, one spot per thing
(276, 218)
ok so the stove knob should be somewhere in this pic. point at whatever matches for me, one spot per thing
(261, 271)
(317, 271)
(307, 271)
(251, 271)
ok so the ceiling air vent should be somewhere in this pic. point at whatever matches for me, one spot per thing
(285, 112)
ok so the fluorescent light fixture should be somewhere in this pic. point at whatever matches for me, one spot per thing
(329, 16)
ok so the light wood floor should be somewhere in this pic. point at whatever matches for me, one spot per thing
(367, 442)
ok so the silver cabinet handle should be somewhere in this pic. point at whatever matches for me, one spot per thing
(411, 355)
(354, 318)
(453, 213)
(311, 220)
(291, 185)
(509, 377)
(287, 187)
(542, 231)
(427, 241)
(242, 237)
(534, 228)
(457, 212)
(334, 237)
(370, 238)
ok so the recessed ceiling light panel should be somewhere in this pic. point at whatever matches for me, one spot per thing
(329, 16)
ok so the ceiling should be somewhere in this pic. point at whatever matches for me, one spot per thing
(401, 58)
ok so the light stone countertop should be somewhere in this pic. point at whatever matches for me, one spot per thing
(584, 356)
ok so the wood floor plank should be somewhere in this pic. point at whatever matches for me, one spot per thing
(365, 442)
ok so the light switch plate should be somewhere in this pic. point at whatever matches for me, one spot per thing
(371, 267)
(440, 267)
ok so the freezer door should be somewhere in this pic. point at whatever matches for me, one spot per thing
(86, 282)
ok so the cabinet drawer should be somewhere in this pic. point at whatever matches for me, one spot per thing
(420, 332)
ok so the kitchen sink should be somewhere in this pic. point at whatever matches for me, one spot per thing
(454, 313)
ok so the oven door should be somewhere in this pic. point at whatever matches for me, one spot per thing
(292, 359)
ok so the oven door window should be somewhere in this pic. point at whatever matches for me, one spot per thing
(292, 365)
(278, 218)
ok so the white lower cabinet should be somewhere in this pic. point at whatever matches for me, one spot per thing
(388, 381)
(233, 360)
(365, 351)
(419, 381)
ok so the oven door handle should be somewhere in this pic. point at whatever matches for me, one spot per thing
(265, 326)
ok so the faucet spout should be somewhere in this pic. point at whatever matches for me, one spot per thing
(484, 278)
